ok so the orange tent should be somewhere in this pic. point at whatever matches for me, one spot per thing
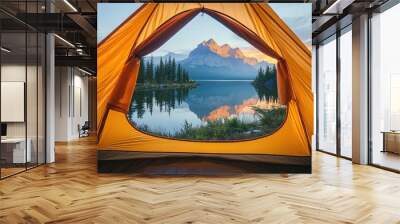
(151, 26)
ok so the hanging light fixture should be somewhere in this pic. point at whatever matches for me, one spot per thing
(64, 40)
(5, 50)
(70, 5)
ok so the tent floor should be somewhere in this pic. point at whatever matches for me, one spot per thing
(198, 164)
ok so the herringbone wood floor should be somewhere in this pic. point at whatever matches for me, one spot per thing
(71, 191)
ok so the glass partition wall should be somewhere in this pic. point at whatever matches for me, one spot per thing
(22, 77)
(334, 93)
(327, 96)
(385, 90)
(334, 105)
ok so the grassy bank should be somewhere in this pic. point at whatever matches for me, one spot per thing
(231, 129)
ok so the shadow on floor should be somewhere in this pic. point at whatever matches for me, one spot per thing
(188, 166)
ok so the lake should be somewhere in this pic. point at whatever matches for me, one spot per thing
(167, 111)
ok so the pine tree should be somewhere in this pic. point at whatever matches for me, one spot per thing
(147, 71)
(151, 73)
(179, 74)
(141, 75)
(185, 76)
(173, 72)
(157, 74)
(166, 70)
(161, 71)
(169, 69)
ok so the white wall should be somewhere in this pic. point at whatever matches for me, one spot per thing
(61, 103)
(71, 102)
(80, 111)
(33, 127)
(16, 73)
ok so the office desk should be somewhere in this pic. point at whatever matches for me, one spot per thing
(13, 150)
(391, 141)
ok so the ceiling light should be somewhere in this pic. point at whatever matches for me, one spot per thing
(326, 11)
(64, 40)
(5, 50)
(337, 7)
(70, 5)
(79, 51)
(84, 71)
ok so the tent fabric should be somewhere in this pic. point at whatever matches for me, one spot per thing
(152, 25)
(164, 32)
(119, 135)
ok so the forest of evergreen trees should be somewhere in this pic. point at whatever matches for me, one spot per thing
(265, 83)
(165, 72)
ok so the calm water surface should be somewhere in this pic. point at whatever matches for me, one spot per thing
(167, 110)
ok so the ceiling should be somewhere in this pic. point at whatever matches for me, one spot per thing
(75, 22)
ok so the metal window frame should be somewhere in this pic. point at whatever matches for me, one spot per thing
(337, 34)
(381, 9)
(387, 5)
(44, 74)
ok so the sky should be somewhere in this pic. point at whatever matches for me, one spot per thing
(296, 15)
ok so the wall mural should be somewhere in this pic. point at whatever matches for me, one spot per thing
(199, 78)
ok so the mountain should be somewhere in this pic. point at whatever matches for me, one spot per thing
(177, 57)
(172, 55)
(212, 61)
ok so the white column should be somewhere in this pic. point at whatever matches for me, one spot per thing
(360, 90)
(50, 99)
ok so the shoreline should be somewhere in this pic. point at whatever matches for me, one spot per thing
(224, 80)
(147, 86)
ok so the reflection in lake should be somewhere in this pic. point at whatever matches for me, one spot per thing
(214, 110)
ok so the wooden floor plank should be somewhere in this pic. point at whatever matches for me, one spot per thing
(71, 191)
